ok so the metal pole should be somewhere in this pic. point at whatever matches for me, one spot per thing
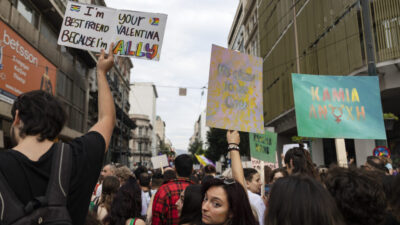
(369, 44)
(296, 41)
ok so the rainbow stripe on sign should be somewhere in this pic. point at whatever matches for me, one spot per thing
(154, 21)
(75, 8)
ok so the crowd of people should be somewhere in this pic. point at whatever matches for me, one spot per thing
(299, 193)
(47, 182)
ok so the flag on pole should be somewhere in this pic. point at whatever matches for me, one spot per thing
(204, 161)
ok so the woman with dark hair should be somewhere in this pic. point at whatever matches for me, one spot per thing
(189, 205)
(301, 200)
(110, 187)
(126, 206)
(276, 174)
(298, 161)
(225, 200)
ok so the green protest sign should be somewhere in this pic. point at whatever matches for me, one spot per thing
(263, 146)
(338, 106)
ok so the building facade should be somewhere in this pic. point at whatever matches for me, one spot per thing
(66, 72)
(243, 35)
(327, 38)
(142, 99)
(200, 130)
(140, 144)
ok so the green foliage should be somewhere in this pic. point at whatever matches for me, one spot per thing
(164, 149)
(390, 116)
(217, 144)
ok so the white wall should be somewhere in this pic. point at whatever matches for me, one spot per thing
(363, 148)
(142, 98)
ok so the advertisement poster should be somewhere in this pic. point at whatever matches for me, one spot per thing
(338, 106)
(22, 68)
(92, 27)
(235, 95)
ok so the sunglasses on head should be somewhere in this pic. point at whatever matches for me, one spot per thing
(226, 180)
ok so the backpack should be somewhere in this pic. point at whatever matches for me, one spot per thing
(48, 209)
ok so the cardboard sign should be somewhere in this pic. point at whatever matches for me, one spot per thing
(257, 164)
(235, 97)
(159, 161)
(338, 106)
(263, 146)
(92, 27)
(22, 68)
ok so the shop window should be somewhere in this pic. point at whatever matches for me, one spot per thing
(28, 12)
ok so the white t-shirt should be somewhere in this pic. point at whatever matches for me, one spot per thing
(146, 201)
(258, 204)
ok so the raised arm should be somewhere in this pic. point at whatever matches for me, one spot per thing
(233, 139)
(106, 119)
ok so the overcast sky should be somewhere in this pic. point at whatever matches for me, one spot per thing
(192, 27)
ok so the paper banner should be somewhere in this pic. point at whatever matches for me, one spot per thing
(235, 97)
(92, 27)
(338, 106)
(263, 146)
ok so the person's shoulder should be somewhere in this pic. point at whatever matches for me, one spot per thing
(137, 222)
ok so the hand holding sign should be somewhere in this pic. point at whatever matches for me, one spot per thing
(105, 63)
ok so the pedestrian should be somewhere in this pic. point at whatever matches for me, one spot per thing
(374, 163)
(126, 206)
(225, 200)
(123, 173)
(209, 170)
(169, 174)
(108, 170)
(111, 185)
(147, 193)
(276, 174)
(189, 205)
(301, 200)
(298, 161)
(358, 194)
(253, 184)
(164, 208)
(37, 165)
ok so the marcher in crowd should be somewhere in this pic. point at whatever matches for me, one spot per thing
(253, 184)
(298, 161)
(164, 205)
(147, 193)
(301, 200)
(189, 205)
(123, 173)
(126, 206)
(358, 194)
(111, 185)
(37, 120)
(225, 200)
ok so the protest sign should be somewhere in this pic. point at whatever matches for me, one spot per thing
(338, 106)
(218, 167)
(263, 146)
(235, 97)
(159, 161)
(257, 164)
(287, 147)
(92, 27)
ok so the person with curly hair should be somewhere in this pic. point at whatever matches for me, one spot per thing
(126, 206)
(110, 187)
(298, 161)
(358, 194)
